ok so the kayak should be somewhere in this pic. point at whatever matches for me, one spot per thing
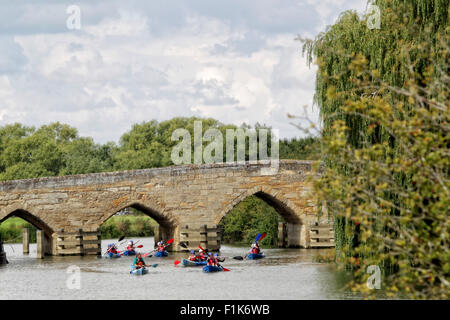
(129, 253)
(254, 256)
(212, 269)
(113, 255)
(161, 254)
(189, 263)
(138, 272)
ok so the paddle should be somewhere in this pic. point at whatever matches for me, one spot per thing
(168, 243)
(259, 237)
(123, 252)
(120, 239)
(224, 269)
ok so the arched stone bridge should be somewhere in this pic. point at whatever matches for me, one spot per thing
(176, 197)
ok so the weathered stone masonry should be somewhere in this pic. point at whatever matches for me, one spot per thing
(176, 197)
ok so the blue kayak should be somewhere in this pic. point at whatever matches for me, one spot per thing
(189, 263)
(161, 254)
(254, 256)
(129, 253)
(113, 255)
(138, 272)
(212, 269)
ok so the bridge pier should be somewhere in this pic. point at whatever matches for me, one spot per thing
(2, 253)
(26, 240)
(40, 244)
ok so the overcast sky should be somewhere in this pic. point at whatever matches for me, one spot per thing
(134, 61)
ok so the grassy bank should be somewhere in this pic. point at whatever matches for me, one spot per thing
(138, 225)
(11, 230)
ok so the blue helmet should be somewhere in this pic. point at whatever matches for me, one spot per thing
(192, 251)
(209, 254)
(216, 255)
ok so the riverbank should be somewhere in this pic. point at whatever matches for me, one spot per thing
(129, 225)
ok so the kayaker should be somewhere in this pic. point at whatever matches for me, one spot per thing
(210, 260)
(201, 255)
(130, 246)
(112, 248)
(161, 246)
(255, 248)
(192, 256)
(216, 260)
(139, 261)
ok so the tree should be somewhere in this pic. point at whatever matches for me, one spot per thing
(383, 96)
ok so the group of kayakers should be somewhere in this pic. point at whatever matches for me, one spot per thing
(202, 258)
(211, 260)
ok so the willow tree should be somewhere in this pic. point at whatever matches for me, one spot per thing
(384, 102)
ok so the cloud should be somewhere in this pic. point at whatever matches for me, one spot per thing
(135, 61)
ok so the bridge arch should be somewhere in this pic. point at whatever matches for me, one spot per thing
(166, 223)
(293, 216)
(284, 207)
(32, 219)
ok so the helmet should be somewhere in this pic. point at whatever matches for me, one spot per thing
(210, 254)
(216, 255)
(200, 251)
(253, 245)
(192, 251)
(130, 242)
(110, 245)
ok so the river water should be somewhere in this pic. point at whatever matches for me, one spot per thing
(283, 274)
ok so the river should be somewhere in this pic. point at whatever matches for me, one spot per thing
(283, 274)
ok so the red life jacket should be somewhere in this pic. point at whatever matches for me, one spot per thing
(161, 248)
(192, 258)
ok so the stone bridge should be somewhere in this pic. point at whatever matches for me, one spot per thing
(179, 198)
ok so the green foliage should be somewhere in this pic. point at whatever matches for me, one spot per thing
(129, 225)
(383, 96)
(300, 148)
(11, 230)
(248, 218)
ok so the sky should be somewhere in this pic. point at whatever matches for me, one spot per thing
(134, 61)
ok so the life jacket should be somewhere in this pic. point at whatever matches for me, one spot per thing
(192, 257)
(130, 248)
(161, 248)
(210, 262)
(201, 256)
(140, 262)
(112, 250)
(255, 250)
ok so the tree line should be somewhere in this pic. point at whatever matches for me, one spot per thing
(58, 149)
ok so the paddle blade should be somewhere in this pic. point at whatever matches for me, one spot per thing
(121, 238)
(258, 236)
(176, 262)
(263, 236)
(154, 265)
(140, 246)
(182, 244)
(170, 241)
(238, 258)
(225, 269)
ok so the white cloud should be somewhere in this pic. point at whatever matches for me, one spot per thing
(138, 61)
